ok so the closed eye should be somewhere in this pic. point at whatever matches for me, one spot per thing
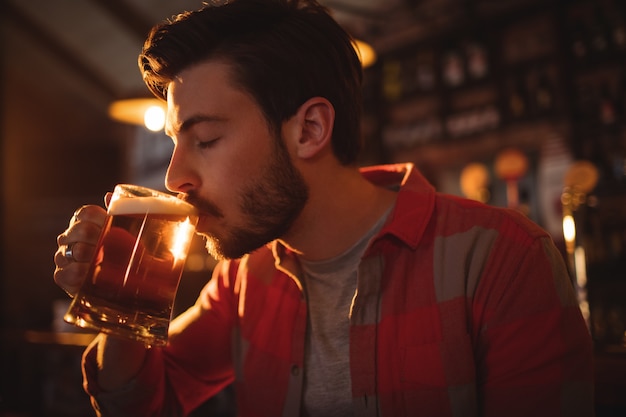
(207, 143)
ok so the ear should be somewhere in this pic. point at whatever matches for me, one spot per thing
(313, 127)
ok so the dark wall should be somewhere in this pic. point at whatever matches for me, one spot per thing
(53, 158)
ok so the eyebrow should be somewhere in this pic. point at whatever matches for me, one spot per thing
(191, 122)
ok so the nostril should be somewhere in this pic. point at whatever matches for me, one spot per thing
(180, 188)
(185, 188)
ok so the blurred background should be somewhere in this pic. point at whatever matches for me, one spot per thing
(517, 103)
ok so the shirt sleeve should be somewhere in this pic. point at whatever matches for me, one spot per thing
(195, 365)
(534, 352)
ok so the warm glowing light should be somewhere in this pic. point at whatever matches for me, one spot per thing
(475, 182)
(366, 53)
(133, 111)
(584, 309)
(511, 164)
(581, 267)
(154, 118)
(182, 238)
(569, 228)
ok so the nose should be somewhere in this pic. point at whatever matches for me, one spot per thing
(180, 177)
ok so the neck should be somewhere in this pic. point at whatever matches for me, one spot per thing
(342, 207)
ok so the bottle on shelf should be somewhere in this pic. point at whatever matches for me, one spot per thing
(607, 108)
(618, 28)
(579, 40)
(620, 97)
(599, 32)
(585, 102)
(543, 93)
(477, 59)
(392, 80)
(517, 100)
(425, 77)
(453, 67)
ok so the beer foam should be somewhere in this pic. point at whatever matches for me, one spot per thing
(140, 205)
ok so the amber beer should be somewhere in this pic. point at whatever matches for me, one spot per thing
(133, 278)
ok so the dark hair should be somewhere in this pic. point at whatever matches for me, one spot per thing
(283, 52)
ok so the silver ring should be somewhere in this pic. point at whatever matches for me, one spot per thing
(69, 252)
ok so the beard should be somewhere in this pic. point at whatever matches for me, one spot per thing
(270, 203)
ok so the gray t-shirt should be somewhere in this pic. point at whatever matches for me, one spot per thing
(330, 287)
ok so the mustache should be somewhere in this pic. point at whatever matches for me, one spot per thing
(203, 205)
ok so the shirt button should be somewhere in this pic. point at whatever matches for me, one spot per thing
(295, 370)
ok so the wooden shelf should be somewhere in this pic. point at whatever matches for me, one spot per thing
(43, 337)
(480, 147)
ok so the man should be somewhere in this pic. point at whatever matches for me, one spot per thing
(341, 292)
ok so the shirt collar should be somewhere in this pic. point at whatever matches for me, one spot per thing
(415, 202)
(408, 220)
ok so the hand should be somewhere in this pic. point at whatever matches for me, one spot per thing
(81, 236)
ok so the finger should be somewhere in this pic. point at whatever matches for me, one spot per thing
(59, 257)
(81, 231)
(70, 278)
(83, 234)
(89, 213)
(81, 252)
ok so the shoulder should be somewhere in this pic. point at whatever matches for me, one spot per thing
(454, 215)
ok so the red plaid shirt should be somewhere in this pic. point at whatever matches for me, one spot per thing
(461, 310)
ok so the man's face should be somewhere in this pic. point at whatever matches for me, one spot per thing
(229, 163)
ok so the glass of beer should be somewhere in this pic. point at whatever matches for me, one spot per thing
(132, 281)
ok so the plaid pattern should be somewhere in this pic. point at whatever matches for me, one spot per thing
(461, 310)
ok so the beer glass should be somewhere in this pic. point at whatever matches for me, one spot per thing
(133, 278)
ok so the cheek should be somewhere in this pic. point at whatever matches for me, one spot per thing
(222, 185)
(244, 164)
(240, 159)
